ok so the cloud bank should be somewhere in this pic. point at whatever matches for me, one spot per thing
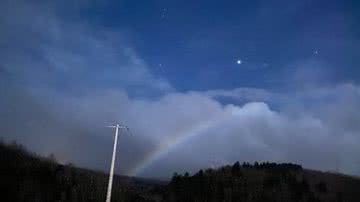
(189, 131)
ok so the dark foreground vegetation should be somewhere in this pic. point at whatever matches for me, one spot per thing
(27, 177)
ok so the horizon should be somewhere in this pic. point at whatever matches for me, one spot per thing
(52, 158)
(200, 84)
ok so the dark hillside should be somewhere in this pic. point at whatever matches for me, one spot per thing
(263, 182)
(28, 177)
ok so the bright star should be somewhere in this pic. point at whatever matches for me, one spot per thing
(238, 62)
(163, 13)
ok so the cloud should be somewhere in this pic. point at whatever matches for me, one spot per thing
(41, 47)
(193, 130)
(64, 80)
(317, 129)
(243, 94)
(319, 139)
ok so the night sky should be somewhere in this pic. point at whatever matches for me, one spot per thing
(199, 83)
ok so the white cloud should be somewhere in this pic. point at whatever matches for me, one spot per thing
(253, 94)
(52, 51)
(323, 136)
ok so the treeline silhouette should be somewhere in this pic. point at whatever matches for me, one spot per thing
(26, 177)
(260, 182)
(257, 182)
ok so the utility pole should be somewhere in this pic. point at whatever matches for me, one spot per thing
(117, 127)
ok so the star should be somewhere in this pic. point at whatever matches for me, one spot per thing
(316, 52)
(239, 62)
(163, 13)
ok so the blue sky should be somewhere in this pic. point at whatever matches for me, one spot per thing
(199, 42)
(169, 70)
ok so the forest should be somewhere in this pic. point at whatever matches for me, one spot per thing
(27, 177)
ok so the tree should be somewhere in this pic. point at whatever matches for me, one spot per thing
(235, 168)
(246, 165)
(321, 187)
(52, 158)
(186, 174)
(176, 178)
(200, 173)
(256, 164)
